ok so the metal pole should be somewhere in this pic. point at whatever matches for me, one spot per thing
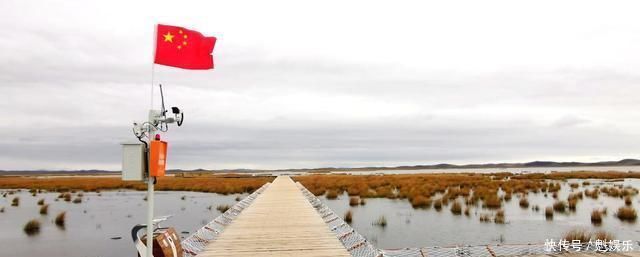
(150, 203)
(151, 180)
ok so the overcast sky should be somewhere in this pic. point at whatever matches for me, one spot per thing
(302, 84)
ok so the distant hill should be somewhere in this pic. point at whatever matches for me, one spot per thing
(534, 164)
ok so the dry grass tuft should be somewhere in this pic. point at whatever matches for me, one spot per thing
(44, 210)
(548, 213)
(223, 208)
(332, 194)
(77, 200)
(560, 206)
(572, 203)
(524, 202)
(456, 208)
(628, 201)
(15, 201)
(382, 221)
(61, 219)
(437, 204)
(348, 217)
(41, 202)
(32, 227)
(627, 213)
(485, 217)
(602, 235)
(421, 202)
(593, 194)
(354, 201)
(499, 219)
(596, 217)
(580, 234)
(492, 202)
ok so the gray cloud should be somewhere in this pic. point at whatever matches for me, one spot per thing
(349, 93)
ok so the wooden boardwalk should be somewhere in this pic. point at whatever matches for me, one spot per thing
(280, 222)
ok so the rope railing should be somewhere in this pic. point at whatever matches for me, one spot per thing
(196, 242)
(356, 244)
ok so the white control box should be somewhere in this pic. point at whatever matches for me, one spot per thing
(133, 161)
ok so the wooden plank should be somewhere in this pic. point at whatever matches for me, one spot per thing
(280, 222)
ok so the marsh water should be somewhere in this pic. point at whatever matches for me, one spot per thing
(409, 227)
(100, 225)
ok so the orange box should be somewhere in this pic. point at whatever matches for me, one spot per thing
(157, 158)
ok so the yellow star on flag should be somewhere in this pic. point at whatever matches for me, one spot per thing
(168, 37)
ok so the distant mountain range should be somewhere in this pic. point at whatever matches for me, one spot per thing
(534, 164)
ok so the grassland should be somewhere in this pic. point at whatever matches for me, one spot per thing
(420, 189)
(490, 191)
(213, 184)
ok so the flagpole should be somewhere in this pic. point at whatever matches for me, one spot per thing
(151, 180)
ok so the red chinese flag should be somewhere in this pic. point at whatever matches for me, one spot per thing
(183, 48)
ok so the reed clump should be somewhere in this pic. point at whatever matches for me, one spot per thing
(32, 227)
(627, 213)
(492, 202)
(548, 213)
(41, 202)
(381, 221)
(628, 201)
(485, 217)
(524, 202)
(499, 218)
(15, 202)
(437, 204)
(580, 234)
(222, 208)
(348, 217)
(572, 204)
(602, 235)
(596, 217)
(560, 206)
(593, 194)
(456, 208)
(332, 194)
(420, 202)
(354, 201)
(60, 219)
(77, 200)
(44, 210)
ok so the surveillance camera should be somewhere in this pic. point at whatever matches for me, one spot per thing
(175, 110)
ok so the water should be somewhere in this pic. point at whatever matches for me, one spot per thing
(408, 227)
(494, 170)
(91, 224)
